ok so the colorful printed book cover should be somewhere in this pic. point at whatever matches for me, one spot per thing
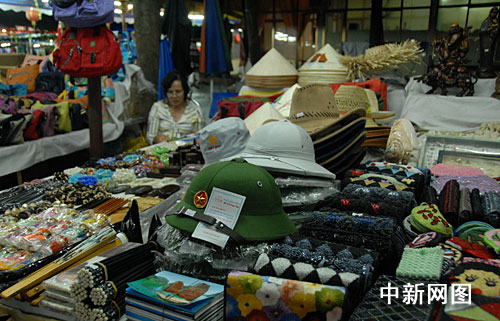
(176, 289)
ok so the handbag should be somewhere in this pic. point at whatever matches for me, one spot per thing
(88, 52)
(50, 82)
(79, 118)
(11, 129)
(33, 129)
(24, 75)
(84, 13)
(62, 120)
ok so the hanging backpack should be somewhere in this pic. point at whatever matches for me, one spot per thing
(50, 82)
(88, 52)
(33, 129)
(84, 13)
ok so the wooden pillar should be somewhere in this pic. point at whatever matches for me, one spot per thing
(252, 30)
(95, 118)
(376, 26)
(432, 30)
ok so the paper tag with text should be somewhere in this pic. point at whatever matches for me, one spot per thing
(224, 206)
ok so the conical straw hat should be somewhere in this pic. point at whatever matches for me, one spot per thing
(325, 59)
(263, 115)
(272, 64)
(348, 98)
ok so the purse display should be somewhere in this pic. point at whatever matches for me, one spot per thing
(88, 52)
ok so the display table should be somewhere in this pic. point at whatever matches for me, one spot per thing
(450, 113)
(15, 158)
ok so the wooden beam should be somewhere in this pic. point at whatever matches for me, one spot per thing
(95, 118)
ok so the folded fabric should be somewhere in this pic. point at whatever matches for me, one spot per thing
(465, 207)
(494, 262)
(448, 169)
(429, 239)
(374, 194)
(387, 183)
(470, 248)
(361, 205)
(491, 204)
(476, 205)
(255, 297)
(319, 253)
(423, 263)
(381, 234)
(375, 306)
(429, 195)
(427, 218)
(481, 303)
(483, 183)
(449, 201)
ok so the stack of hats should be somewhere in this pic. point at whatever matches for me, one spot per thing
(324, 67)
(352, 97)
(272, 71)
(337, 136)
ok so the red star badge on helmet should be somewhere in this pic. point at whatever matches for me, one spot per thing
(200, 199)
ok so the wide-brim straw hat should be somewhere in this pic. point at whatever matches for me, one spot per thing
(336, 145)
(263, 115)
(351, 97)
(314, 108)
(333, 160)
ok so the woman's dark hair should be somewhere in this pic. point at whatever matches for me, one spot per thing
(169, 79)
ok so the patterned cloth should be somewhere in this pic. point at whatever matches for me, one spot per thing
(255, 297)
(373, 307)
(160, 121)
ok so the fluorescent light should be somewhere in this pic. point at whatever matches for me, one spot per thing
(232, 30)
(51, 40)
(240, 30)
(118, 11)
(118, 3)
(162, 13)
(36, 45)
(5, 44)
(196, 16)
(130, 6)
(292, 39)
(45, 1)
(4, 30)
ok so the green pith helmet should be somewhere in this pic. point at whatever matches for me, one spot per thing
(262, 217)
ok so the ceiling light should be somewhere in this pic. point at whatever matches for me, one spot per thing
(130, 6)
(118, 11)
(196, 16)
(36, 45)
(118, 3)
(4, 30)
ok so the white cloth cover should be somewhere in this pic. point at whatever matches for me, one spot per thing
(450, 113)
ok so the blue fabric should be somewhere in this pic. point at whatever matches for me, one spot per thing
(216, 97)
(166, 65)
(14, 89)
(214, 48)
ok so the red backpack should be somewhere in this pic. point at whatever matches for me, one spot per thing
(33, 131)
(88, 52)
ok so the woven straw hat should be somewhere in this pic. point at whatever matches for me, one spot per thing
(272, 64)
(325, 59)
(351, 97)
(263, 115)
(314, 109)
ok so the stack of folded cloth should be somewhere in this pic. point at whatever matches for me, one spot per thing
(303, 258)
(337, 136)
(324, 67)
(272, 71)
(381, 234)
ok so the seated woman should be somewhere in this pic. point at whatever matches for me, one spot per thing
(176, 116)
